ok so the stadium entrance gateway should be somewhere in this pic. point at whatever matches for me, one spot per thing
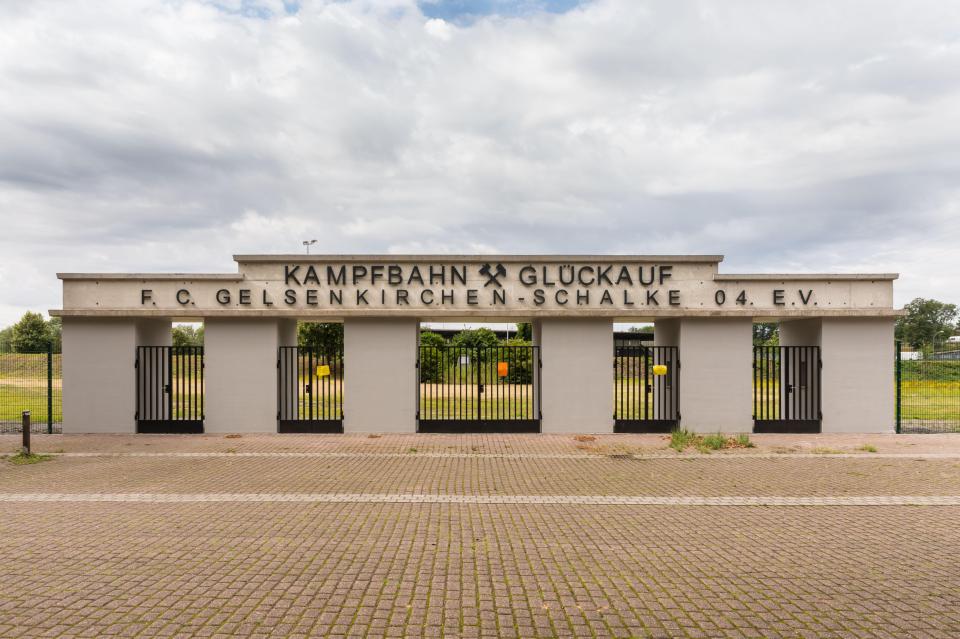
(701, 371)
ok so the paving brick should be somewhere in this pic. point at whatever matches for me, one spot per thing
(546, 540)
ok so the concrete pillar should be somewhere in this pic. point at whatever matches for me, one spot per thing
(240, 374)
(716, 366)
(99, 379)
(380, 376)
(577, 375)
(858, 375)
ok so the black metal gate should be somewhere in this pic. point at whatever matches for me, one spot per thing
(646, 388)
(169, 389)
(493, 389)
(786, 389)
(309, 390)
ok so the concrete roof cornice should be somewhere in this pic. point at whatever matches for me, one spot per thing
(802, 277)
(186, 277)
(603, 259)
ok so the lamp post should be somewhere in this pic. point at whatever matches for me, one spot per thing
(308, 244)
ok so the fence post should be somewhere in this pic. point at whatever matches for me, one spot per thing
(25, 427)
(49, 389)
(899, 347)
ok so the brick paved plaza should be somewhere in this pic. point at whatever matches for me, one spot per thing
(480, 536)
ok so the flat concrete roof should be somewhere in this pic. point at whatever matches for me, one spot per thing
(300, 257)
(229, 277)
(795, 277)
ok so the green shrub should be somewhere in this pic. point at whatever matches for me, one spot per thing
(519, 361)
(431, 358)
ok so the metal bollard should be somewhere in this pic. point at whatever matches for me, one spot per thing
(26, 431)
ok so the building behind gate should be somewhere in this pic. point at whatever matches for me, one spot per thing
(830, 373)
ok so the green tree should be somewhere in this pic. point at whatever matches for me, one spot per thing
(187, 336)
(431, 356)
(31, 334)
(327, 338)
(525, 331)
(6, 339)
(926, 323)
(475, 338)
(55, 331)
(766, 334)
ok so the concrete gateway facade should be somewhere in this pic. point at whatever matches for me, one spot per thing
(832, 371)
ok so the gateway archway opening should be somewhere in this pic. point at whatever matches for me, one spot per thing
(646, 384)
(310, 379)
(170, 379)
(478, 378)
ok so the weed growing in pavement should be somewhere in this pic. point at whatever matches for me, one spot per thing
(712, 442)
(21, 459)
(868, 448)
(681, 439)
(412, 450)
(585, 438)
(826, 451)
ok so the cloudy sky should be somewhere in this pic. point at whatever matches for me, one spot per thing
(140, 135)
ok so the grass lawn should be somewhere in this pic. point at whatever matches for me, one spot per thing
(15, 398)
(930, 400)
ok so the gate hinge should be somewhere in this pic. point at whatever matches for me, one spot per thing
(679, 416)
(278, 364)
(417, 365)
(819, 363)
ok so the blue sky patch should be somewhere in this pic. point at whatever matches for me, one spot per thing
(466, 10)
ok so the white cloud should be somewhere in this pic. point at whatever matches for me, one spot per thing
(167, 135)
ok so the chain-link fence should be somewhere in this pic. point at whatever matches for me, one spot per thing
(33, 382)
(928, 389)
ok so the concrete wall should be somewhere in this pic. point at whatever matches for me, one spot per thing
(716, 374)
(577, 375)
(380, 375)
(800, 332)
(858, 375)
(99, 379)
(241, 374)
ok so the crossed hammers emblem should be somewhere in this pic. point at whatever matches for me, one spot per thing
(487, 271)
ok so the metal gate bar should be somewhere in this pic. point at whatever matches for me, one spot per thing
(786, 389)
(643, 401)
(169, 389)
(308, 401)
(461, 389)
